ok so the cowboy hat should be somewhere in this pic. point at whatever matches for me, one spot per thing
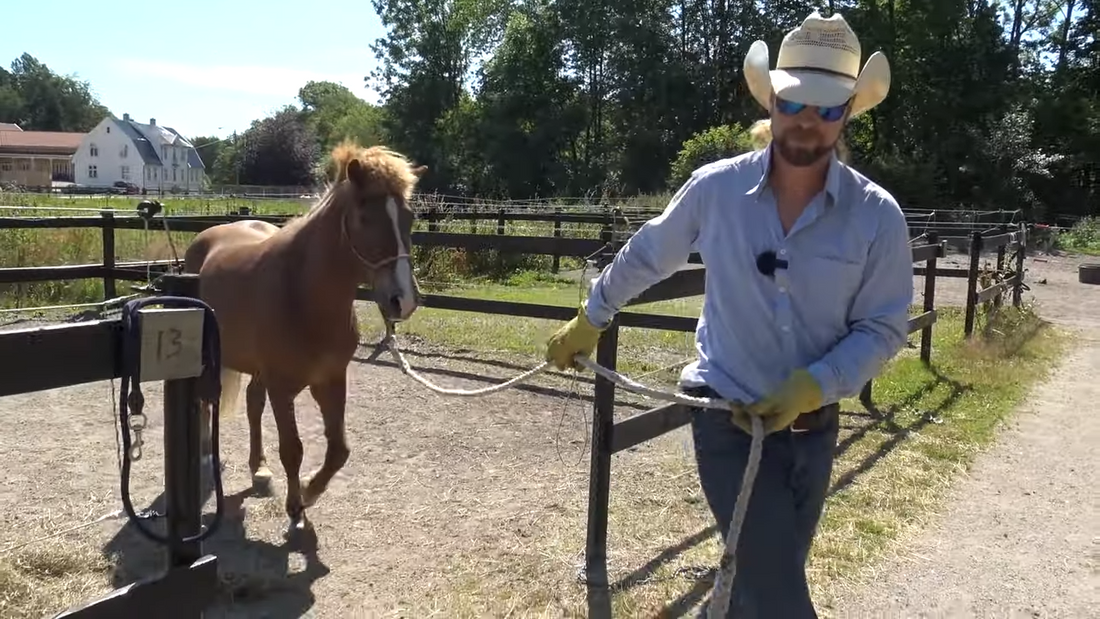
(818, 64)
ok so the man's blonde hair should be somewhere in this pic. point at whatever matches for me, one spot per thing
(761, 134)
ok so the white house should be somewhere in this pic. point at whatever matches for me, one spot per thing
(151, 156)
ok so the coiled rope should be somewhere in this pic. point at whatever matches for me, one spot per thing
(727, 567)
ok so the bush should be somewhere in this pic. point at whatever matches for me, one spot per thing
(716, 143)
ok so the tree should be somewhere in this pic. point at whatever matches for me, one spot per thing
(37, 99)
(279, 150)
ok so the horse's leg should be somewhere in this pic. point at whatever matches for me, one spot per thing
(255, 399)
(290, 450)
(331, 397)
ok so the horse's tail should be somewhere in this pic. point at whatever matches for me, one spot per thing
(231, 392)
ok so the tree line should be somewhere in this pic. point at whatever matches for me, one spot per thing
(994, 104)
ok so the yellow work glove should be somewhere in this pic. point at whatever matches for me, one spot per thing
(578, 337)
(799, 394)
(740, 416)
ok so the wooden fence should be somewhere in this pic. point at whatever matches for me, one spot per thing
(608, 437)
(59, 356)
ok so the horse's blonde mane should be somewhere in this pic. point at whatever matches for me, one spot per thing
(385, 169)
(761, 134)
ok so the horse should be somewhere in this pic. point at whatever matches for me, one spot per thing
(284, 301)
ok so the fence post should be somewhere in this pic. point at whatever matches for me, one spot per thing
(972, 283)
(929, 300)
(599, 482)
(557, 234)
(998, 300)
(1018, 287)
(109, 289)
(182, 459)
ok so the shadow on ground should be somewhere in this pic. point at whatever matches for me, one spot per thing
(879, 420)
(255, 578)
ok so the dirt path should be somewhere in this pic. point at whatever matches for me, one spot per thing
(1019, 535)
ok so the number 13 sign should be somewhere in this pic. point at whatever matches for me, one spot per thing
(171, 343)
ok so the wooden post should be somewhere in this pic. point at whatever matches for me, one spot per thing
(433, 219)
(182, 470)
(1018, 287)
(109, 289)
(929, 300)
(972, 283)
(182, 456)
(599, 481)
(997, 300)
(557, 234)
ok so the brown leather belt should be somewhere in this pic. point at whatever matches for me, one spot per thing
(819, 419)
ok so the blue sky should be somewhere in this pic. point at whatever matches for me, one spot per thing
(203, 67)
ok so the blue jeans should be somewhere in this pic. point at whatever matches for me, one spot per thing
(783, 512)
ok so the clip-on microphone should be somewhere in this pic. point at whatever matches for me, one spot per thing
(767, 263)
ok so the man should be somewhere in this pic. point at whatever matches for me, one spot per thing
(808, 284)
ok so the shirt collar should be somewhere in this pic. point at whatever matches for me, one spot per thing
(832, 177)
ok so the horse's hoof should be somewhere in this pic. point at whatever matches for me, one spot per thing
(261, 480)
(298, 524)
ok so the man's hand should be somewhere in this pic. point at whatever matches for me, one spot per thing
(799, 394)
(577, 337)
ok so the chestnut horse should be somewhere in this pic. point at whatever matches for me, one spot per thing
(284, 300)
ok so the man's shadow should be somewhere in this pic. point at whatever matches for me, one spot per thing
(254, 577)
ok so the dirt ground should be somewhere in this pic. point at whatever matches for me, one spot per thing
(1018, 535)
(434, 480)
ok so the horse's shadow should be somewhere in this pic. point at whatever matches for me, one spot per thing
(255, 577)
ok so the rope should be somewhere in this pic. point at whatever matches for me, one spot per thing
(727, 569)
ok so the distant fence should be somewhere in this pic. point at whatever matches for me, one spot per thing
(608, 437)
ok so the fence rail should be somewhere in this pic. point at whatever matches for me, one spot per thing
(608, 437)
(51, 357)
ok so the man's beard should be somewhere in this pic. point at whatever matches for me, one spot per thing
(799, 156)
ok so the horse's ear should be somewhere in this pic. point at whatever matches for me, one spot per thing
(356, 173)
(419, 171)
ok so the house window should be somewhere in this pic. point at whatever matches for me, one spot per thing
(24, 165)
(125, 172)
(93, 150)
(5, 166)
(125, 151)
(154, 171)
(173, 174)
(92, 172)
(164, 153)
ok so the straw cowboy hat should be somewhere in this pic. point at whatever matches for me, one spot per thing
(818, 64)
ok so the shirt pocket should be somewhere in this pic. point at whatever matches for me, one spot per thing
(830, 282)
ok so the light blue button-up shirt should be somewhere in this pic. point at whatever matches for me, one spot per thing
(840, 308)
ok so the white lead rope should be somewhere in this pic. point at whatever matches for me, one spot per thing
(727, 569)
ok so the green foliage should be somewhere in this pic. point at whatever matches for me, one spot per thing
(37, 99)
(708, 146)
(1083, 237)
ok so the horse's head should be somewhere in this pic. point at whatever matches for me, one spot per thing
(376, 185)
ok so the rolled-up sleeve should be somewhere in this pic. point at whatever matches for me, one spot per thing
(879, 316)
(658, 249)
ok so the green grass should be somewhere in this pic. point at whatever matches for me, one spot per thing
(1082, 238)
(891, 474)
(640, 350)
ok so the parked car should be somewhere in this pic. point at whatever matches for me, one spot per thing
(126, 187)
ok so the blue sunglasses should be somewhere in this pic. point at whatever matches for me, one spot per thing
(827, 113)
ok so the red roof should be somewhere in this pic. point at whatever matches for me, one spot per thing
(16, 141)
